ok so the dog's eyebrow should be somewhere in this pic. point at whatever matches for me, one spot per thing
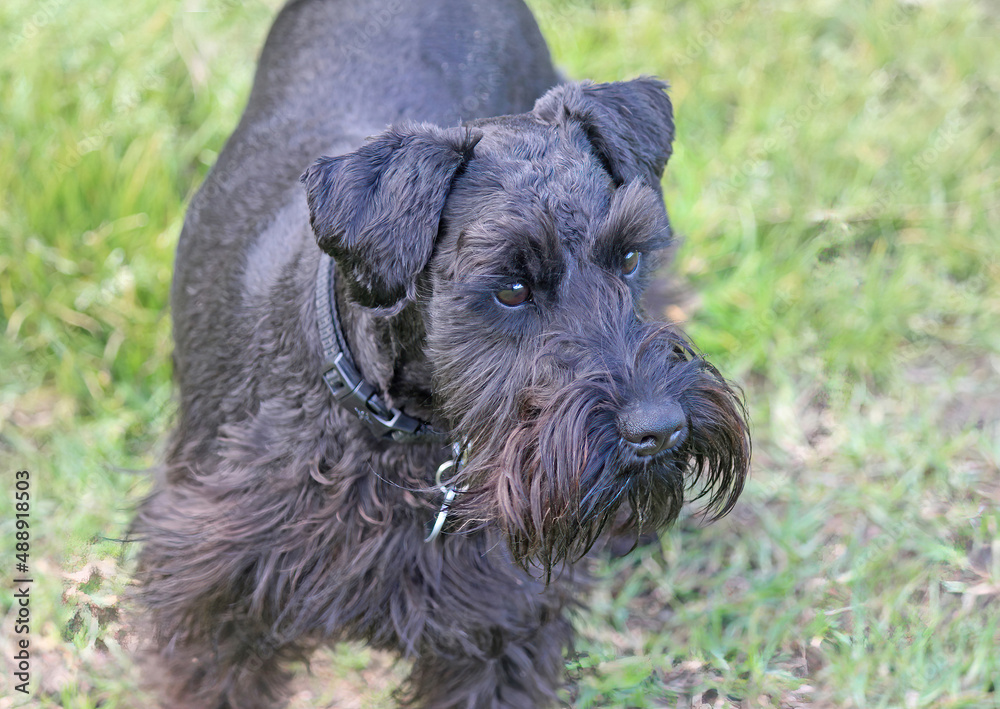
(537, 255)
(516, 245)
(636, 221)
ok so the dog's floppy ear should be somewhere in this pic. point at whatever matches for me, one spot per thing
(630, 124)
(377, 210)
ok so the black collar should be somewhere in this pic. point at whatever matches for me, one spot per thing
(341, 375)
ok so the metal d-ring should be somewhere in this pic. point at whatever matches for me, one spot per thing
(449, 492)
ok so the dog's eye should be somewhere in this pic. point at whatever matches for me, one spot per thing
(516, 294)
(631, 263)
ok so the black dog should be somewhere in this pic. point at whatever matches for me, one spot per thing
(408, 444)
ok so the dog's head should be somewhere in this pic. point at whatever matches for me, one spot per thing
(527, 242)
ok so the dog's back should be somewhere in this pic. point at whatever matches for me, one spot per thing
(332, 73)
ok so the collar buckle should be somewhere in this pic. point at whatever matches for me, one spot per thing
(352, 392)
(349, 388)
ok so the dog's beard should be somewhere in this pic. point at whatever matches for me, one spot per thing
(546, 462)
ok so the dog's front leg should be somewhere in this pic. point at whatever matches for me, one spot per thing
(494, 637)
(205, 647)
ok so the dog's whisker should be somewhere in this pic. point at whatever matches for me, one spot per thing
(393, 483)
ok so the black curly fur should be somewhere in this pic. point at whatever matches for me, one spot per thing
(278, 523)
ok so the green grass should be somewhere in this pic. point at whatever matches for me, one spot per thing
(837, 186)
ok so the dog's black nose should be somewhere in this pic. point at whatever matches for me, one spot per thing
(651, 427)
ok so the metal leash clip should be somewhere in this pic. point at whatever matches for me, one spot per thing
(449, 491)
